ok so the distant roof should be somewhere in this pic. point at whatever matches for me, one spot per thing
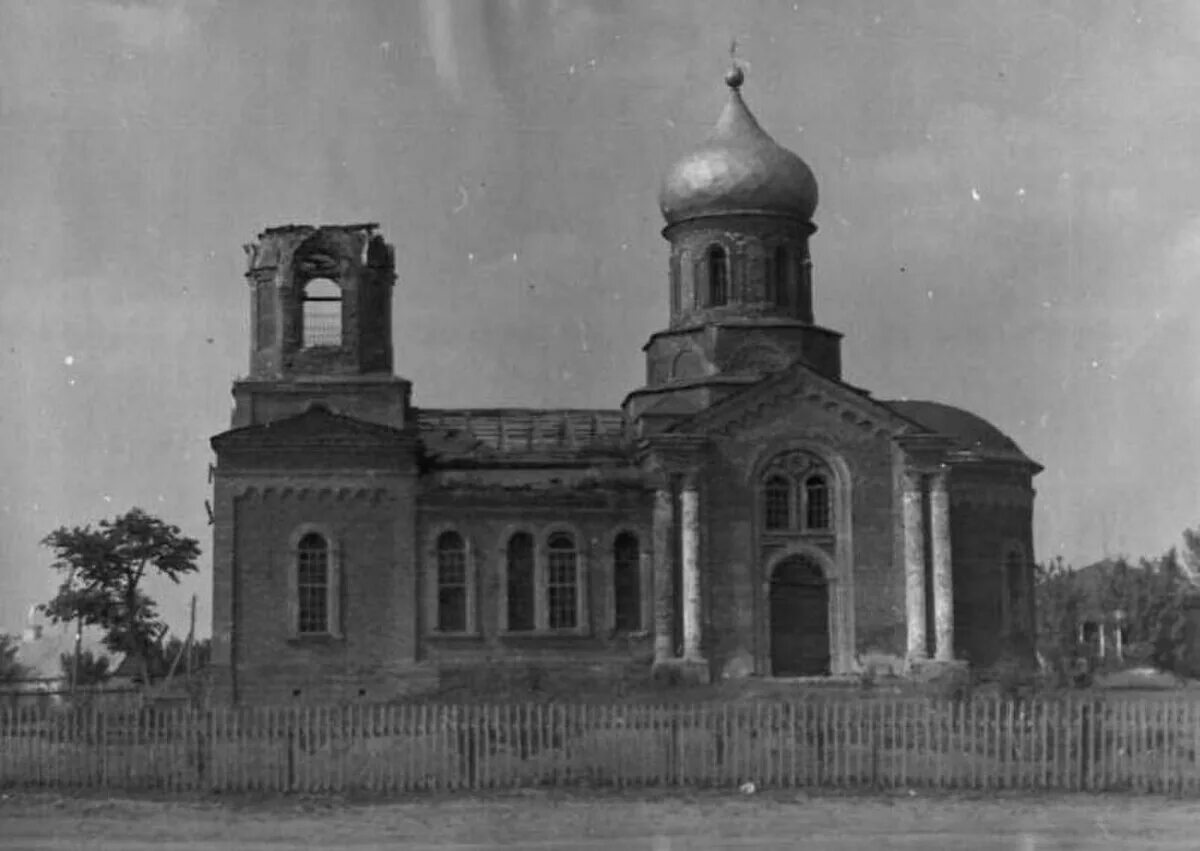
(971, 432)
(510, 433)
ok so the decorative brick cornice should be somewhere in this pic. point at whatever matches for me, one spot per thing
(314, 492)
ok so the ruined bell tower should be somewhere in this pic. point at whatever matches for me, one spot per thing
(321, 326)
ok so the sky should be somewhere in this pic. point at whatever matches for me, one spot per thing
(1009, 222)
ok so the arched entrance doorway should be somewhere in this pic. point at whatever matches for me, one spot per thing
(799, 618)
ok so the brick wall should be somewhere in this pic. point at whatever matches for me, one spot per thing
(375, 657)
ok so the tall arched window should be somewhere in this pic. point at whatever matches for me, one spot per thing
(781, 274)
(452, 594)
(816, 503)
(321, 314)
(777, 502)
(627, 597)
(562, 593)
(676, 276)
(312, 585)
(521, 589)
(718, 276)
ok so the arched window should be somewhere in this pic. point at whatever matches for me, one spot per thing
(676, 280)
(816, 503)
(781, 277)
(718, 276)
(562, 598)
(521, 591)
(321, 314)
(451, 583)
(777, 502)
(627, 597)
(806, 290)
(312, 585)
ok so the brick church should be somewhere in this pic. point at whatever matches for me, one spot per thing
(744, 512)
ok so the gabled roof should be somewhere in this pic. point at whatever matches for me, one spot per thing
(510, 434)
(798, 377)
(317, 426)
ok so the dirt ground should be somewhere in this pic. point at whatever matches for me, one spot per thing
(600, 820)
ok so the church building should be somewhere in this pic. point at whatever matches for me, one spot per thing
(744, 512)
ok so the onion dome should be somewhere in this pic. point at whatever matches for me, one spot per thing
(738, 169)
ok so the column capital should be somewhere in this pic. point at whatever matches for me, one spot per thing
(939, 477)
(672, 453)
(912, 479)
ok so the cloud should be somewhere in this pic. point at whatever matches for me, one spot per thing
(149, 23)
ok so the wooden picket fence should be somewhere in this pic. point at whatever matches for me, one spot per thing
(1146, 745)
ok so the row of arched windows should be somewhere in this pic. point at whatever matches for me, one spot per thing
(555, 593)
(714, 288)
(546, 599)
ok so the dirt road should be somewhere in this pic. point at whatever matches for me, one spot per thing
(601, 821)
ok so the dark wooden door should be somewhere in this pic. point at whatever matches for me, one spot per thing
(799, 619)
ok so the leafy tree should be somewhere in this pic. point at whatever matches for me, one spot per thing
(93, 669)
(1059, 606)
(11, 670)
(1152, 597)
(105, 567)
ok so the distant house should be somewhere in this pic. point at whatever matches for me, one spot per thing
(39, 654)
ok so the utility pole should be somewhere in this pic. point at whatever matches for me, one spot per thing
(187, 659)
(78, 637)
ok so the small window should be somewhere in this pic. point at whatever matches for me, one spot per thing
(777, 503)
(312, 585)
(718, 276)
(561, 584)
(451, 583)
(520, 583)
(816, 503)
(627, 582)
(322, 314)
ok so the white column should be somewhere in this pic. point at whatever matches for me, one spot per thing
(943, 575)
(689, 509)
(914, 565)
(664, 603)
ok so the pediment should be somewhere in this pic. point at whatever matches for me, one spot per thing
(316, 427)
(841, 407)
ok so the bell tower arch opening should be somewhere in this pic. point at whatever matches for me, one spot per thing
(321, 314)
